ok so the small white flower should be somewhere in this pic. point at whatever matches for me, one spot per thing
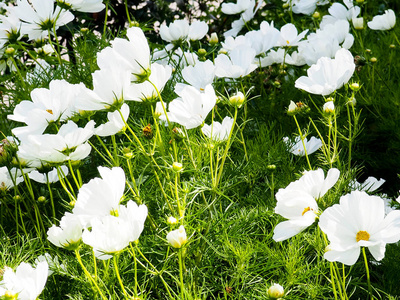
(68, 234)
(369, 185)
(177, 238)
(218, 131)
(383, 22)
(297, 147)
(275, 291)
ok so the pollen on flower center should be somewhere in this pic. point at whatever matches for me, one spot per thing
(287, 42)
(306, 210)
(362, 235)
(49, 111)
(114, 212)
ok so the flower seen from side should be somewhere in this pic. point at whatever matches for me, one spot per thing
(177, 238)
(383, 22)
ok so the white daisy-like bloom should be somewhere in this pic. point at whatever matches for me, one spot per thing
(239, 63)
(177, 238)
(197, 30)
(297, 147)
(89, 6)
(370, 184)
(40, 17)
(108, 235)
(328, 75)
(10, 26)
(177, 30)
(192, 107)
(218, 131)
(199, 76)
(135, 215)
(100, 196)
(49, 177)
(339, 11)
(145, 91)
(57, 103)
(9, 178)
(383, 22)
(26, 283)
(297, 202)
(289, 36)
(70, 143)
(358, 221)
(236, 8)
(68, 234)
(115, 122)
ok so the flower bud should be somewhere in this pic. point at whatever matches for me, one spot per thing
(202, 52)
(329, 107)
(285, 5)
(171, 220)
(316, 15)
(9, 295)
(237, 100)
(213, 40)
(373, 59)
(360, 1)
(352, 101)
(176, 166)
(41, 199)
(392, 46)
(275, 291)
(358, 23)
(9, 51)
(355, 86)
(177, 238)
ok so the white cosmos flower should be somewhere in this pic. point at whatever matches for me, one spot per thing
(68, 234)
(339, 11)
(115, 123)
(199, 76)
(40, 17)
(108, 235)
(239, 63)
(383, 22)
(57, 103)
(49, 177)
(358, 221)
(177, 30)
(236, 8)
(328, 75)
(297, 202)
(297, 147)
(101, 196)
(370, 184)
(177, 238)
(132, 55)
(9, 179)
(289, 36)
(218, 131)
(262, 40)
(192, 107)
(26, 282)
(70, 143)
(145, 91)
(10, 26)
(197, 30)
(135, 215)
(89, 6)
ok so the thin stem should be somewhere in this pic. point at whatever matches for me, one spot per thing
(181, 274)
(367, 273)
(302, 137)
(118, 276)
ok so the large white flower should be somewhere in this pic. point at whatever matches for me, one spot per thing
(101, 196)
(297, 202)
(115, 123)
(192, 107)
(289, 36)
(358, 221)
(383, 22)
(328, 75)
(239, 63)
(26, 282)
(57, 103)
(199, 76)
(236, 8)
(40, 17)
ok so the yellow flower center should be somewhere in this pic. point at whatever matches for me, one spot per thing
(306, 210)
(49, 111)
(362, 235)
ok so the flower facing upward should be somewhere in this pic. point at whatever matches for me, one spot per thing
(383, 22)
(328, 75)
(358, 221)
(177, 238)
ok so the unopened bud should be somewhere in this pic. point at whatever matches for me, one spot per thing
(213, 40)
(373, 59)
(9, 51)
(276, 291)
(171, 220)
(237, 100)
(176, 166)
(316, 15)
(41, 199)
(358, 23)
(202, 52)
(329, 107)
(355, 86)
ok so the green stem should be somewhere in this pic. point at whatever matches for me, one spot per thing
(181, 274)
(118, 276)
(367, 273)
(302, 137)
(78, 257)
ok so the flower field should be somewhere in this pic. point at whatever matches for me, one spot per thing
(199, 149)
